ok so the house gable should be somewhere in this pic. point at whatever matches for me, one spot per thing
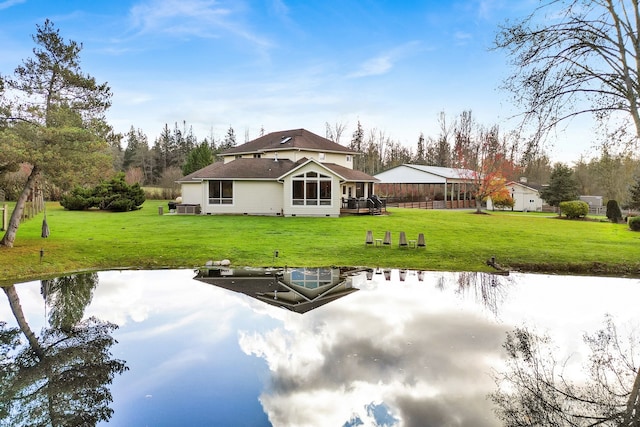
(311, 189)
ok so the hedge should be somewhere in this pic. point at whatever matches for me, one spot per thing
(574, 209)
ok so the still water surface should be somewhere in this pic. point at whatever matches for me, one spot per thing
(376, 351)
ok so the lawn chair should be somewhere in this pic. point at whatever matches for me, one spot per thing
(403, 240)
(387, 238)
(369, 239)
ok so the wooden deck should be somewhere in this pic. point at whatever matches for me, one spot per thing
(363, 206)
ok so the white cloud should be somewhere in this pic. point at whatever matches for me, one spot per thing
(197, 18)
(384, 62)
(375, 66)
(9, 3)
(462, 36)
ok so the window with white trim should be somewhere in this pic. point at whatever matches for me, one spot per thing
(311, 278)
(312, 189)
(220, 192)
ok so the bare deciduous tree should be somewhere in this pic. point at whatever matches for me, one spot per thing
(483, 156)
(572, 57)
(334, 133)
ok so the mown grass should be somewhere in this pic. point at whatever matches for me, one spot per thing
(456, 241)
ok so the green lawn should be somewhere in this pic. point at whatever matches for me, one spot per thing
(456, 241)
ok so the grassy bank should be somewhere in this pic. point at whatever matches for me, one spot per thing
(456, 241)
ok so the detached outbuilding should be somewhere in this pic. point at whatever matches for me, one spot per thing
(434, 186)
(527, 199)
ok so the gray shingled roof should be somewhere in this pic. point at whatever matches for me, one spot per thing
(350, 174)
(243, 169)
(287, 140)
(267, 169)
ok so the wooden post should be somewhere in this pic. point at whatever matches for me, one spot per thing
(5, 215)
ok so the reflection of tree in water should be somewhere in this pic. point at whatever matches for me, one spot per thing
(60, 378)
(535, 390)
(67, 297)
(490, 289)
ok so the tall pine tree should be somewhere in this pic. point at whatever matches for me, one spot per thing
(58, 124)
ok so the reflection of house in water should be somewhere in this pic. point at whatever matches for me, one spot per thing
(296, 289)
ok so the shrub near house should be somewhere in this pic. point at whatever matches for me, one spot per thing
(574, 209)
(114, 195)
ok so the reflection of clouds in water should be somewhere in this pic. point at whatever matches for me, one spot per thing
(32, 304)
(125, 296)
(411, 353)
(397, 348)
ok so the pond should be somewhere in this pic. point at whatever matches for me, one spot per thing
(295, 347)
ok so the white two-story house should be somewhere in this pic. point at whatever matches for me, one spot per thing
(288, 173)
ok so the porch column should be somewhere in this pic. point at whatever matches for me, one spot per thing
(445, 193)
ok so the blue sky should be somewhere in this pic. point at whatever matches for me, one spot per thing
(281, 64)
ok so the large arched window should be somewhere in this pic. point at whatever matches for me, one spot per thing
(312, 189)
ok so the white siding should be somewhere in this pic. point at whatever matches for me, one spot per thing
(526, 199)
(249, 197)
(192, 193)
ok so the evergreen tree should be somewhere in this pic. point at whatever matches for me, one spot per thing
(229, 140)
(419, 159)
(189, 143)
(198, 158)
(357, 145)
(58, 124)
(613, 211)
(161, 148)
(634, 194)
(562, 186)
(134, 139)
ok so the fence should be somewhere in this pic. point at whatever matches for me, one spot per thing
(4, 213)
(436, 204)
(32, 207)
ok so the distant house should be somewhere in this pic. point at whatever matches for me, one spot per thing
(288, 173)
(527, 199)
(438, 187)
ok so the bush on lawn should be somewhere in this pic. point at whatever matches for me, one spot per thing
(613, 211)
(574, 209)
(634, 223)
(114, 195)
(78, 199)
